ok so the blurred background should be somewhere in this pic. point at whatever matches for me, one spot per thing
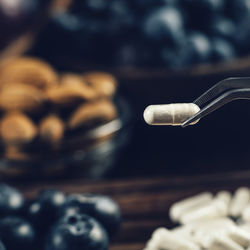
(130, 54)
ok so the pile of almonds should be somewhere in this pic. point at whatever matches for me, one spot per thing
(39, 104)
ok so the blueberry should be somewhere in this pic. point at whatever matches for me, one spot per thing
(222, 50)
(198, 48)
(43, 211)
(17, 233)
(11, 200)
(223, 27)
(77, 232)
(2, 247)
(102, 208)
(238, 9)
(164, 25)
(243, 36)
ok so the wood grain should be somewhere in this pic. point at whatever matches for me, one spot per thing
(144, 202)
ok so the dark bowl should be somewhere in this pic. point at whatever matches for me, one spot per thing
(89, 154)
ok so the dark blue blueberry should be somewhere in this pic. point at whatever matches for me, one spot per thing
(75, 232)
(223, 27)
(243, 36)
(198, 48)
(102, 208)
(238, 9)
(164, 25)
(17, 233)
(222, 50)
(43, 211)
(2, 247)
(11, 200)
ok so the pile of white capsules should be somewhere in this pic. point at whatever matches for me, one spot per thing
(207, 222)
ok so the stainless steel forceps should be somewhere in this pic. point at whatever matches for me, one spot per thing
(223, 92)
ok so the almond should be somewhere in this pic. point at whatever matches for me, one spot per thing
(28, 70)
(21, 97)
(103, 83)
(101, 111)
(16, 127)
(70, 94)
(14, 152)
(72, 79)
(51, 129)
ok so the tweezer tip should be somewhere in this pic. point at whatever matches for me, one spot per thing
(188, 121)
(185, 124)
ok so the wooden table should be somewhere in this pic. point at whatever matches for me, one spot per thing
(145, 202)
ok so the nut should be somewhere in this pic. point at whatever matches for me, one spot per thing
(21, 97)
(16, 127)
(103, 83)
(14, 152)
(51, 129)
(70, 94)
(70, 79)
(28, 70)
(89, 113)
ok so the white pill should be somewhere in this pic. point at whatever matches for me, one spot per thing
(215, 209)
(183, 206)
(204, 231)
(239, 235)
(224, 196)
(246, 227)
(170, 114)
(239, 201)
(245, 215)
(166, 240)
(221, 242)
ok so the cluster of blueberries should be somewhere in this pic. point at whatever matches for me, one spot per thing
(173, 33)
(54, 221)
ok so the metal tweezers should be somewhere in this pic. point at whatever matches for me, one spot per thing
(223, 92)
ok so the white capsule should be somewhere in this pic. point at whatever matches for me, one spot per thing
(239, 235)
(215, 209)
(245, 215)
(183, 206)
(239, 201)
(170, 114)
(207, 229)
(164, 239)
(221, 242)
(224, 196)
(245, 226)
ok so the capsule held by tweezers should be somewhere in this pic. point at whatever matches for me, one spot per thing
(170, 114)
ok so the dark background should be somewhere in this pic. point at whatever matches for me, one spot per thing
(218, 143)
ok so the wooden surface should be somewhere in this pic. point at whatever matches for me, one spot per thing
(145, 202)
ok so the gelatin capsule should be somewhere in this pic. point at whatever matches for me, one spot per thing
(170, 114)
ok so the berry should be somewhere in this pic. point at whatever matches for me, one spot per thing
(102, 208)
(11, 200)
(16, 233)
(223, 27)
(46, 206)
(222, 50)
(76, 232)
(164, 25)
(198, 48)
